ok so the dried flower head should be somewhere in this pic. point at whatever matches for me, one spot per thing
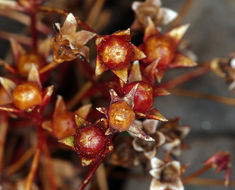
(69, 42)
(151, 8)
(161, 51)
(221, 161)
(166, 175)
(174, 134)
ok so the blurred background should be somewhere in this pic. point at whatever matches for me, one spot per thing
(211, 34)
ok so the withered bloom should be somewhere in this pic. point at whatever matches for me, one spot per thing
(151, 8)
(166, 175)
(221, 161)
(69, 42)
(149, 148)
(174, 134)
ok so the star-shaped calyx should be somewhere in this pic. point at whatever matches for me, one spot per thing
(161, 51)
(27, 96)
(116, 52)
(151, 8)
(121, 115)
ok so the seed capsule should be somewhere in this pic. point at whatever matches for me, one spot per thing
(27, 95)
(121, 116)
(115, 52)
(90, 141)
(143, 99)
(26, 61)
(63, 125)
(159, 46)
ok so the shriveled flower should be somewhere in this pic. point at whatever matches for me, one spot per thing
(161, 51)
(174, 134)
(27, 96)
(221, 161)
(69, 42)
(151, 8)
(116, 52)
(149, 148)
(166, 175)
(225, 68)
(121, 116)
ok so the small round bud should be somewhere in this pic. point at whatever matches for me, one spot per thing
(90, 141)
(26, 61)
(143, 99)
(115, 52)
(27, 95)
(121, 116)
(159, 47)
(63, 125)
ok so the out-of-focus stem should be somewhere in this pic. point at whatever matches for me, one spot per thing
(36, 158)
(101, 178)
(201, 70)
(182, 13)
(3, 133)
(64, 13)
(49, 167)
(34, 32)
(197, 173)
(48, 67)
(91, 173)
(19, 38)
(17, 165)
(193, 94)
(209, 182)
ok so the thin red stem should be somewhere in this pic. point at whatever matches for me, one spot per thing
(91, 173)
(187, 77)
(34, 32)
(197, 173)
(3, 133)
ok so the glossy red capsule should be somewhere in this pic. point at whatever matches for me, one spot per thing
(143, 99)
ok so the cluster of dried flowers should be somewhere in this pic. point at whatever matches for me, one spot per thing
(129, 94)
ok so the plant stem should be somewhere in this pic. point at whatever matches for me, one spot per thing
(49, 167)
(19, 38)
(36, 157)
(17, 165)
(182, 13)
(91, 173)
(209, 182)
(193, 94)
(34, 32)
(197, 173)
(101, 178)
(186, 77)
(65, 13)
(3, 133)
(48, 67)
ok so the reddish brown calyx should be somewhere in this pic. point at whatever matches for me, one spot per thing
(115, 52)
(143, 98)
(26, 61)
(121, 116)
(27, 95)
(90, 141)
(63, 125)
(159, 47)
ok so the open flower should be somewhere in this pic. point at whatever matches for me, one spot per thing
(151, 8)
(166, 175)
(116, 52)
(27, 96)
(69, 42)
(121, 115)
(161, 51)
(221, 161)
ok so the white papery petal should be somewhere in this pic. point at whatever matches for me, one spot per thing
(166, 15)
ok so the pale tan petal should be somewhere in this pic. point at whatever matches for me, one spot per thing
(135, 5)
(178, 185)
(136, 145)
(156, 185)
(135, 73)
(177, 33)
(166, 15)
(156, 173)
(82, 37)
(70, 25)
(156, 163)
(156, 3)
(150, 125)
(33, 75)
